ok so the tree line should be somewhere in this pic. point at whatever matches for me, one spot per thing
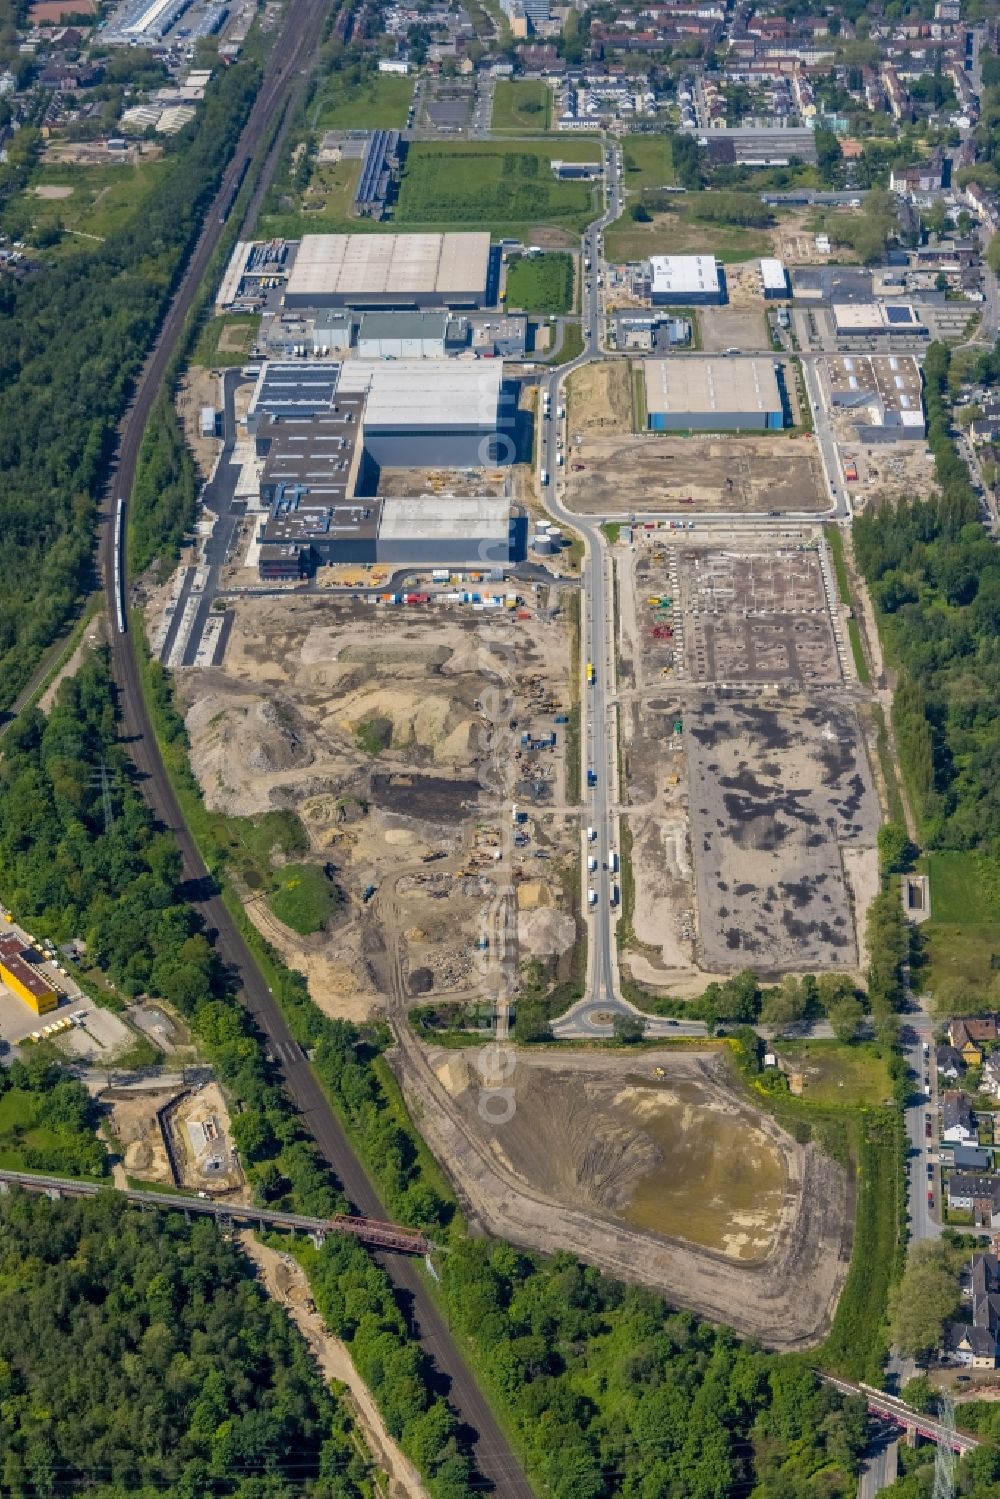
(934, 577)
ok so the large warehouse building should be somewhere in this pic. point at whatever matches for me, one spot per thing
(713, 395)
(423, 414)
(390, 270)
(417, 413)
(684, 280)
(883, 392)
(421, 530)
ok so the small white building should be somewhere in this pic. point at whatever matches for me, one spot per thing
(684, 280)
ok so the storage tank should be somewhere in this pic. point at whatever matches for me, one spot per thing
(542, 544)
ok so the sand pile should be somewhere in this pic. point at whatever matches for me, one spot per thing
(545, 933)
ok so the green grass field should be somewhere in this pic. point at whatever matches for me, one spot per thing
(647, 161)
(100, 201)
(541, 283)
(525, 105)
(503, 188)
(965, 888)
(849, 1076)
(380, 100)
(28, 1142)
(680, 233)
(225, 341)
(324, 207)
(303, 898)
(961, 941)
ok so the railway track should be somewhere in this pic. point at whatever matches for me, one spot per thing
(373, 1232)
(293, 52)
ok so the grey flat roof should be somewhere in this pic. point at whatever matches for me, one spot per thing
(404, 324)
(707, 385)
(444, 517)
(360, 265)
(422, 393)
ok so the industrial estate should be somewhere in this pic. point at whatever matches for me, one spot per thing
(517, 795)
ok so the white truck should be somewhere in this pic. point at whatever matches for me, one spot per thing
(591, 899)
(613, 860)
(591, 863)
(545, 477)
(591, 835)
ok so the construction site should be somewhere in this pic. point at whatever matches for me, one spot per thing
(423, 747)
(652, 1168)
(611, 475)
(174, 1136)
(752, 811)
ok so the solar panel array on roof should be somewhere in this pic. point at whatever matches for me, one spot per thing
(899, 316)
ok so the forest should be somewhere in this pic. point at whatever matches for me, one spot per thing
(138, 1356)
(71, 341)
(612, 1393)
(934, 577)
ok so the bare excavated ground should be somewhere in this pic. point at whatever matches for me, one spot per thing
(753, 818)
(609, 475)
(670, 1180)
(376, 726)
(778, 793)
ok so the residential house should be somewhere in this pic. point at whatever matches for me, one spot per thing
(949, 1062)
(974, 1341)
(978, 1195)
(957, 1123)
(969, 1035)
(972, 1158)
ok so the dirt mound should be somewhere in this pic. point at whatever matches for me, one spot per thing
(545, 933)
(421, 981)
(534, 893)
(138, 1156)
(258, 734)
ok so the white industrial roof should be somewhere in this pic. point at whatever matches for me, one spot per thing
(444, 517)
(370, 264)
(677, 275)
(708, 385)
(426, 393)
(772, 274)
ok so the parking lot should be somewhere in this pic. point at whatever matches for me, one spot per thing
(94, 1033)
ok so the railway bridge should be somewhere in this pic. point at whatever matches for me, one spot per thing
(370, 1231)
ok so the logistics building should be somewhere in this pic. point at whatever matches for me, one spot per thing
(884, 393)
(684, 280)
(713, 395)
(390, 270)
(774, 279)
(417, 413)
(397, 530)
(23, 978)
(876, 320)
(424, 414)
(321, 440)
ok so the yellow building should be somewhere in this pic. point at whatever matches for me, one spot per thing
(22, 979)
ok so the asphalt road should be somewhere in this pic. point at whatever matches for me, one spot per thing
(293, 52)
(590, 1017)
